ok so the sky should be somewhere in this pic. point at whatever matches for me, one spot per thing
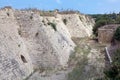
(84, 6)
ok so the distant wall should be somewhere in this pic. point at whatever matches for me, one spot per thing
(105, 35)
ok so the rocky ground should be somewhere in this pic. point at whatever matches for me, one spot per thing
(86, 63)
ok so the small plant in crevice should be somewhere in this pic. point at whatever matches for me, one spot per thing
(18, 45)
(80, 18)
(8, 14)
(43, 21)
(19, 32)
(31, 17)
(53, 25)
(65, 21)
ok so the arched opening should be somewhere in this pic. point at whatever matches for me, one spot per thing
(23, 59)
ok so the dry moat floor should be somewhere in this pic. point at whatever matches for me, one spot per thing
(86, 63)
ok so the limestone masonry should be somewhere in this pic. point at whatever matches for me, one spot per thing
(30, 41)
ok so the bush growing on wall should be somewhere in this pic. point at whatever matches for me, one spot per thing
(97, 25)
(104, 19)
(53, 25)
(117, 34)
(65, 21)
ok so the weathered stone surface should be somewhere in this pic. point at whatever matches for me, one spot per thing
(47, 47)
(106, 33)
(29, 41)
(12, 47)
(79, 25)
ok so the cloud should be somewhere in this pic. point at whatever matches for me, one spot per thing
(58, 1)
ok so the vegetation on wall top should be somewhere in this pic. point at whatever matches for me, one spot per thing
(104, 19)
(117, 34)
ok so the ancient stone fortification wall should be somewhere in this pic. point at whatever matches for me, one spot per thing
(15, 63)
(79, 25)
(105, 35)
(30, 41)
(47, 47)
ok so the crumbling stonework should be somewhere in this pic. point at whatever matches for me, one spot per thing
(45, 45)
(29, 42)
(105, 33)
(79, 25)
(12, 49)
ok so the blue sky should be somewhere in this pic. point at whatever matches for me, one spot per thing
(84, 6)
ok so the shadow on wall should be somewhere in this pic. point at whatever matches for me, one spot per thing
(23, 59)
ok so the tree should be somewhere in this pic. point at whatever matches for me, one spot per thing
(117, 34)
(103, 19)
(97, 25)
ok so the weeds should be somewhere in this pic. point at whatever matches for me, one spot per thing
(80, 18)
(31, 17)
(65, 21)
(53, 25)
(8, 14)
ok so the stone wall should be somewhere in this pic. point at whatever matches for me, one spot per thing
(15, 63)
(30, 41)
(47, 47)
(79, 25)
(105, 35)
(106, 32)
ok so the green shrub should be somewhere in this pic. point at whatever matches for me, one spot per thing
(53, 25)
(117, 34)
(8, 14)
(50, 11)
(80, 18)
(31, 17)
(18, 45)
(98, 25)
(43, 21)
(103, 19)
(65, 21)
(113, 73)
